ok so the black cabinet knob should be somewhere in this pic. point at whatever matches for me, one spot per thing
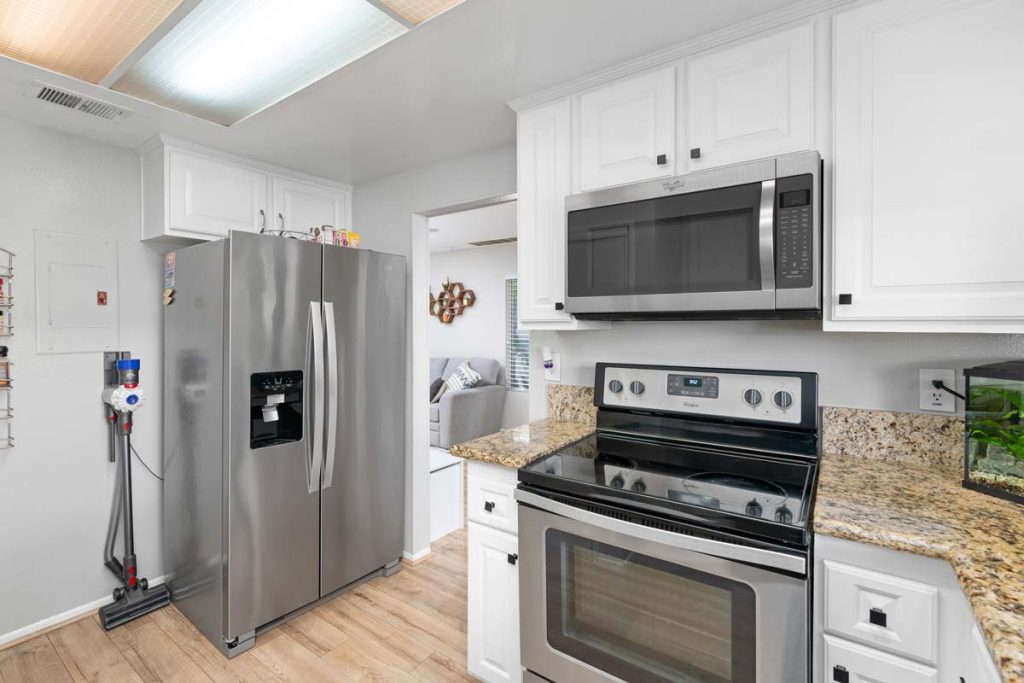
(513, 558)
(877, 617)
(559, 306)
(488, 506)
(662, 159)
(695, 153)
(840, 674)
(845, 299)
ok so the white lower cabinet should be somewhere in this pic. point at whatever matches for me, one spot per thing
(846, 661)
(493, 592)
(492, 643)
(885, 616)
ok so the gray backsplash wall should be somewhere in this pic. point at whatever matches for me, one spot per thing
(858, 370)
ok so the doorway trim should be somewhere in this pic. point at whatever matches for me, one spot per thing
(418, 471)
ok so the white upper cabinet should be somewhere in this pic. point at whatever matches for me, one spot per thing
(625, 131)
(928, 228)
(543, 182)
(192, 193)
(209, 197)
(299, 205)
(750, 101)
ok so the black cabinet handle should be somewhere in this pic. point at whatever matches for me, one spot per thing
(845, 299)
(695, 153)
(559, 306)
(662, 159)
(488, 506)
(877, 617)
(513, 558)
(840, 674)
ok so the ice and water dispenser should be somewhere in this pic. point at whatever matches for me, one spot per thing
(275, 408)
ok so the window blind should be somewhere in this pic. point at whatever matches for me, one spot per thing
(517, 341)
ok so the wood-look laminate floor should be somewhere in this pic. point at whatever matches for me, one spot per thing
(407, 627)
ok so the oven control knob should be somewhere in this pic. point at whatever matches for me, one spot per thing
(617, 482)
(615, 386)
(753, 508)
(783, 514)
(783, 399)
(637, 387)
(639, 486)
(753, 397)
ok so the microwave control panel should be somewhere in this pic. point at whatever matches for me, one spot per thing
(794, 232)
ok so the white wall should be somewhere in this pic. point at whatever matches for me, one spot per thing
(857, 370)
(480, 331)
(56, 485)
(383, 211)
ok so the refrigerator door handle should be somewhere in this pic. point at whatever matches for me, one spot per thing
(332, 394)
(315, 462)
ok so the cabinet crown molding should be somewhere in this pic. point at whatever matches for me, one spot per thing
(763, 23)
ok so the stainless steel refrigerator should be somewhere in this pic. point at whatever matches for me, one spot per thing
(284, 427)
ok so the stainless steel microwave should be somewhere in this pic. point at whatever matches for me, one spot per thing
(737, 242)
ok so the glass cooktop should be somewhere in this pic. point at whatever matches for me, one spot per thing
(755, 493)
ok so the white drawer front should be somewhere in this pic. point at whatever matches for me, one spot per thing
(492, 503)
(904, 612)
(845, 661)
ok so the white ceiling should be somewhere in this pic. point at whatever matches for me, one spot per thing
(435, 93)
(453, 231)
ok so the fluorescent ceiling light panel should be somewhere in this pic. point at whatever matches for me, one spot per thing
(418, 11)
(84, 39)
(228, 59)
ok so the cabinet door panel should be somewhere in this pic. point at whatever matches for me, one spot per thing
(752, 101)
(865, 665)
(928, 150)
(544, 174)
(493, 591)
(624, 127)
(214, 197)
(300, 206)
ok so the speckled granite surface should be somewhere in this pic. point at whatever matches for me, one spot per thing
(571, 403)
(522, 445)
(924, 510)
(931, 440)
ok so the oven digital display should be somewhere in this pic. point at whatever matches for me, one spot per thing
(692, 385)
(795, 198)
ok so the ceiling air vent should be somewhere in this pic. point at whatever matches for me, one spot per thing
(487, 243)
(71, 100)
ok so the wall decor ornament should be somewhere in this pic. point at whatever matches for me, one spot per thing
(452, 302)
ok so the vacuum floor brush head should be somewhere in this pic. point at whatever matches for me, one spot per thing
(135, 604)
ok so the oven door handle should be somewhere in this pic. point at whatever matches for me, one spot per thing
(705, 546)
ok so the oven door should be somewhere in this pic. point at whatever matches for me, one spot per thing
(702, 242)
(602, 599)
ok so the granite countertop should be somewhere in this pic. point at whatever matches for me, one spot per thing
(925, 510)
(519, 446)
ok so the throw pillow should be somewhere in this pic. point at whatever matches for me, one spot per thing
(464, 377)
(434, 386)
(440, 392)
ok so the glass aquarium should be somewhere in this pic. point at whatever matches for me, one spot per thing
(994, 430)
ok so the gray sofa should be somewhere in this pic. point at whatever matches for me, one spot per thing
(464, 415)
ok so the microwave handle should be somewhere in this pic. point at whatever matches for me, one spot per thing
(766, 235)
(705, 546)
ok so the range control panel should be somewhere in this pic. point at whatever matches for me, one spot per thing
(731, 394)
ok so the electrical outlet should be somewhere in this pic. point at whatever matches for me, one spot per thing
(554, 373)
(936, 399)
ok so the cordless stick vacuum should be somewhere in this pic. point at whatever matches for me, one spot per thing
(122, 397)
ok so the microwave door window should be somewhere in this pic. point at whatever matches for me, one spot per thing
(599, 261)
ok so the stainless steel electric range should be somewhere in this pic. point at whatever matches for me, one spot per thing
(674, 545)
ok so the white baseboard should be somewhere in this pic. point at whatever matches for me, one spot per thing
(415, 557)
(71, 614)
